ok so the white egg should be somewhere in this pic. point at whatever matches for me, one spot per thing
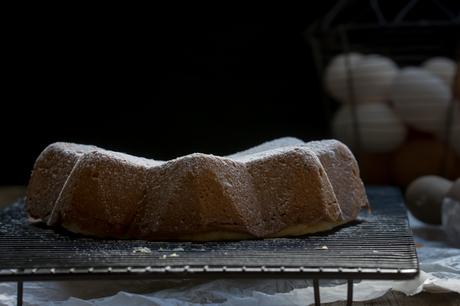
(380, 129)
(373, 77)
(337, 75)
(442, 67)
(421, 99)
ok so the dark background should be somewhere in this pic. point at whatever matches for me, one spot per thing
(158, 82)
(158, 87)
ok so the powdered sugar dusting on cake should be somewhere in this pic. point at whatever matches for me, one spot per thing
(264, 154)
(140, 161)
(269, 145)
(323, 146)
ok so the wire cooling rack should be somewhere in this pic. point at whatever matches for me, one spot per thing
(379, 245)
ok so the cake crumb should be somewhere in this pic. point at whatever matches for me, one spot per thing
(143, 250)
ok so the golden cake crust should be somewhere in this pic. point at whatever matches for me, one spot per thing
(281, 188)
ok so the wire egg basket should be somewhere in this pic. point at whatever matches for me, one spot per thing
(387, 73)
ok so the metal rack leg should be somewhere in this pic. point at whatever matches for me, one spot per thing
(350, 292)
(20, 290)
(316, 292)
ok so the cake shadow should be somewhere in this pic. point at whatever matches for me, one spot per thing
(335, 229)
(64, 233)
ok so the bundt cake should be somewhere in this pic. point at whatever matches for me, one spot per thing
(281, 188)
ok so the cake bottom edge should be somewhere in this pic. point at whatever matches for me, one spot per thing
(290, 231)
